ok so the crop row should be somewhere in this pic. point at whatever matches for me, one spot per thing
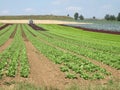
(70, 64)
(96, 54)
(4, 37)
(14, 57)
(1, 24)
(105, 57)
(82, 43)
(4, 26)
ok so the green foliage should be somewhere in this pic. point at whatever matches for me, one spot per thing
(11, 56)
(76, 15)
(5, 34)
(110, 17)
(81, 17)
(118, 17)
(64, 69)
(71, 76)
(104, 51)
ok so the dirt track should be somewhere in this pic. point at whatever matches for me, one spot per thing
(40, 21)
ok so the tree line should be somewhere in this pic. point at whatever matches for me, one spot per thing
(107, 17)
(112, 17)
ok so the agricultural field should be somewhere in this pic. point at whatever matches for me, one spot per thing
(97, 25)
(58, 56)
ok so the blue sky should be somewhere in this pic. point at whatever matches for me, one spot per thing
(88, 8)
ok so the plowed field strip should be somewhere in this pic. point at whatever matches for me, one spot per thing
(115, 73)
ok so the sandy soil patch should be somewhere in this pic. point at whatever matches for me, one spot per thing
(41, 22)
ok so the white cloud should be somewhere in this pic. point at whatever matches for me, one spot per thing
(28, 9)
(73, 8)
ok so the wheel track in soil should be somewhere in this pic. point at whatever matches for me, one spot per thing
(115, 73)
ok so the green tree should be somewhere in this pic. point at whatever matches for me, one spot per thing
(94, 17)
(118, 17)
(81, 17)
(112, 17)
(76, 15)
(107, 17)
(68, 15)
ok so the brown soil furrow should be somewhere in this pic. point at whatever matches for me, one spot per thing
(5, 45)
(4, 26)
(23, 34)
(42, 70)
(13, 33)
(115, 73)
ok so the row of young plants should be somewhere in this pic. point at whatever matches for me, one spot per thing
(1, 24)
(105, 57)
(108, 43)
(4, 30)
(72, 65)
(4, 37)
(14, 57)
(81, 43)
(77, 33)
